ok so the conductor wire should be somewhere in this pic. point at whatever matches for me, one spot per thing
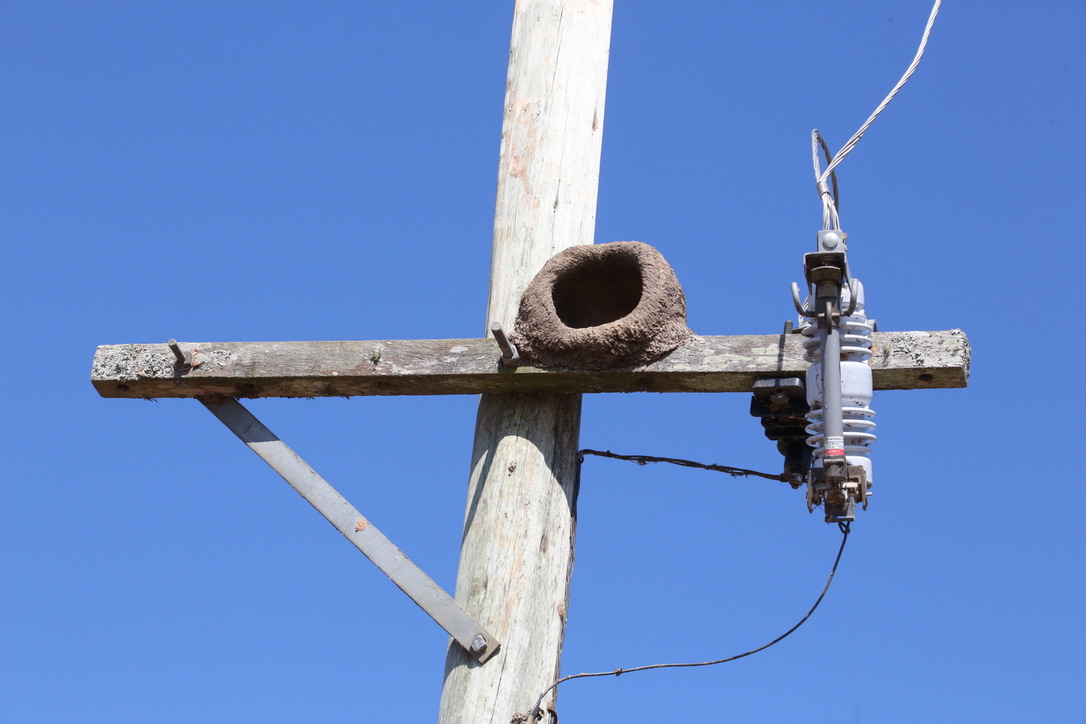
(829, 204)
(844, 526)
(646, 459)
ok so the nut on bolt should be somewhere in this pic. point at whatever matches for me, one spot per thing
(478, 644)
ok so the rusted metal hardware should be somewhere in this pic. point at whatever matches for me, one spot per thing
(781, 403)
(838, 487)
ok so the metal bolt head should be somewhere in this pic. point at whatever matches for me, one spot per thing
(778, 400)
(478, 644)
(830, 240)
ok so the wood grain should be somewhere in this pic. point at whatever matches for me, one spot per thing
(517, 552)
(903, 360)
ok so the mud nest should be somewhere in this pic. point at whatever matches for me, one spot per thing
(596, 307)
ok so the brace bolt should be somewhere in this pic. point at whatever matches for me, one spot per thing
(510, 357)
(478, 644)
(183, 359)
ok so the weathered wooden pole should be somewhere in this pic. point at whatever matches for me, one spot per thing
(517, 551)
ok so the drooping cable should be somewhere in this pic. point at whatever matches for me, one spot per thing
(829, 202)
(536, 714)
(645, 459)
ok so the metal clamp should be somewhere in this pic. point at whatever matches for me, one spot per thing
(838, 491)
(853, 288)
(781, 403)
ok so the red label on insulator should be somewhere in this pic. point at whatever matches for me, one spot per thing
(835, 453)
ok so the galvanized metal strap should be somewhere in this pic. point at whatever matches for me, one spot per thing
(419, 587)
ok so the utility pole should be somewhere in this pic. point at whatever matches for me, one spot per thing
(517, 553)
(508, 617)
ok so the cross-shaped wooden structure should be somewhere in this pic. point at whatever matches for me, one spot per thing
(509, 613)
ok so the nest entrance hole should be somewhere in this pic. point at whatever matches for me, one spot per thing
(598, 291)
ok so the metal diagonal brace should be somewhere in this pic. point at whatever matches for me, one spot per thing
(419, 587)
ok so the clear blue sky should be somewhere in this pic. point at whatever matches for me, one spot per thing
(218, 171)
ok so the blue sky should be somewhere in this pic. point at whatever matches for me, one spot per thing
(286, 171)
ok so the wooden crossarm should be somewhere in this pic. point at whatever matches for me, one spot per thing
(902, 360)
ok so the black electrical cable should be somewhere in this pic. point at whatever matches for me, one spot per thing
(645, 459)
(844, 526)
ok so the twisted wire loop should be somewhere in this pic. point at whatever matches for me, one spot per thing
(830, 200)
(536, 714)
(830, 219)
